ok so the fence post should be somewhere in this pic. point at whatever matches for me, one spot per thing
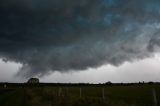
(24, 96)
(154, 97)
(67, 91)
(80, 92)
(5, 86)
(59, 93)
(103, 93)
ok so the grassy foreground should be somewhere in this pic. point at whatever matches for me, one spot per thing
(91, 95)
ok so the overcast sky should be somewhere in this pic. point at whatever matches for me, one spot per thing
(80, 40)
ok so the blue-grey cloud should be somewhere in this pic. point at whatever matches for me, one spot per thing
(64, 35)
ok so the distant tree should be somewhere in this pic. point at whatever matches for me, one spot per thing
(33, 81)
(108, 83)
(150, 82)
(139, 82)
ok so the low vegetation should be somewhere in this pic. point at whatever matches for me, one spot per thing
(79, 95)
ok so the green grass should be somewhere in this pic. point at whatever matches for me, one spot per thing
(135, 95)
(11, 98)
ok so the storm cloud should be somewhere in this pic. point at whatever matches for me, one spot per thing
(72, 35)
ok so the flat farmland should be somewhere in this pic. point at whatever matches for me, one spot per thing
(80, 95)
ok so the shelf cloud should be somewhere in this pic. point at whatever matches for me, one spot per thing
(72, 35)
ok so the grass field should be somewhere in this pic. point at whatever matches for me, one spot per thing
(91, 95)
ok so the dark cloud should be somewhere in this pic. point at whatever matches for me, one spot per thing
(64, 35)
